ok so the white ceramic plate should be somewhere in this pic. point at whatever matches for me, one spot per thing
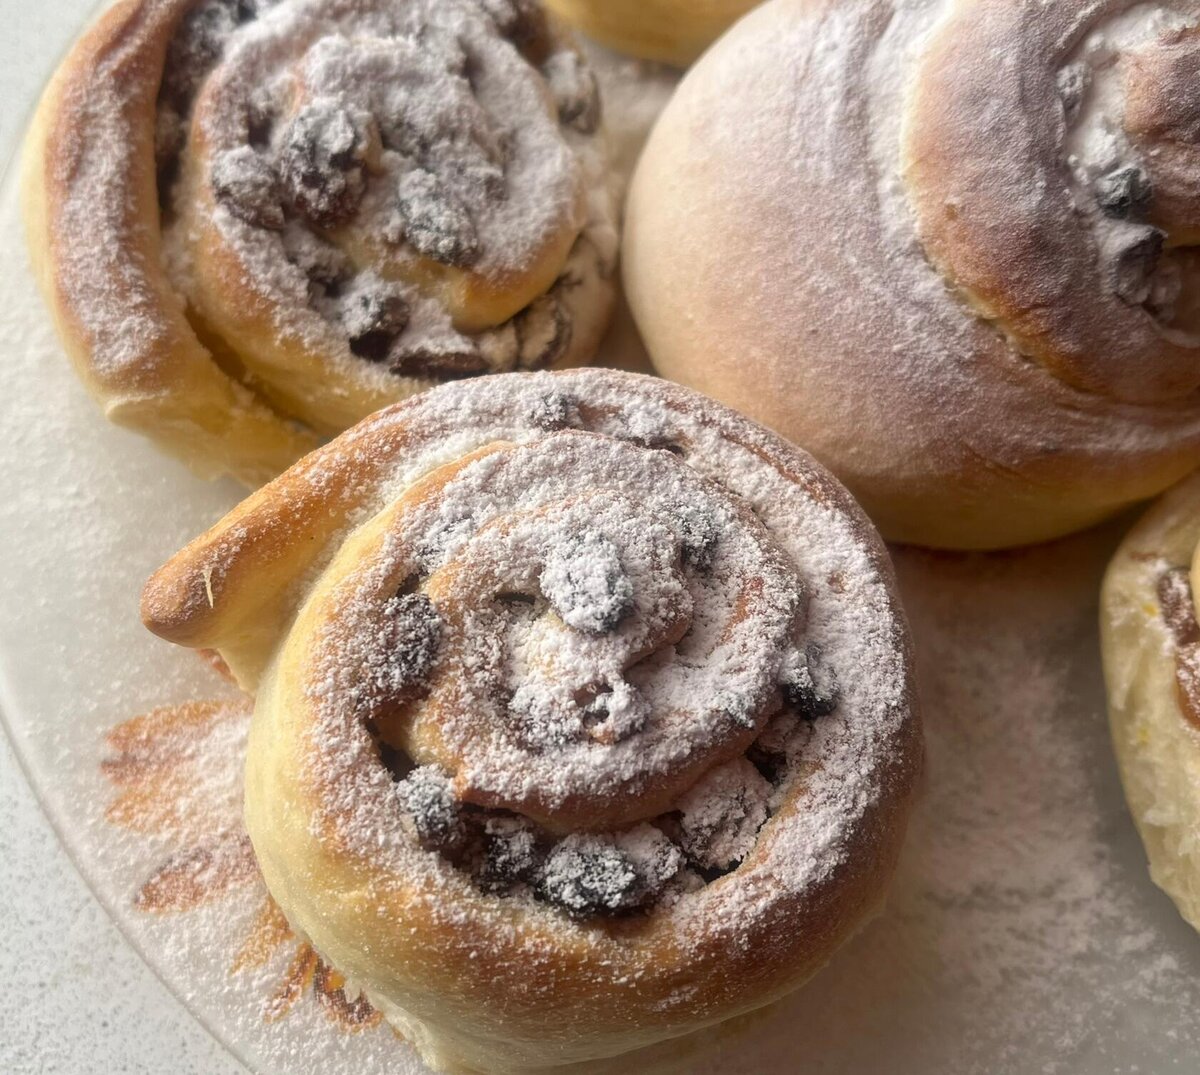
(1023, 934)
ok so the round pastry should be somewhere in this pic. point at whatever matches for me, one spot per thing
(257, 222)
(673, 31)
(945, 246)
(584, 711)
(1150, 639)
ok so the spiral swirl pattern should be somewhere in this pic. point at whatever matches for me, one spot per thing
(579, 668)
(1079, 271)
(250, 214)
(946, 245)
(586, 672)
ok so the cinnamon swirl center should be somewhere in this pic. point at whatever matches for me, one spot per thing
(581, 659)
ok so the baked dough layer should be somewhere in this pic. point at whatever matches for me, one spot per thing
(256, 224)
(371, 594)
(1151, 648)
(899, 235)
(673, 31)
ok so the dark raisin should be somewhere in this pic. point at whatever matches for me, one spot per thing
(1124, 192)
(699, 533)
(587, 875)
(248, 10)
(555, 410)
(374, 312)
(434, 221)
(574, 89)
(427, 797)
(1133, 257)
(654, 856)
(810, 689)
(585, 583)
(373, 346)
(413, 634)
(544, 332)
(509, 855)
(245, 183)
(439, 361)
(322, 163)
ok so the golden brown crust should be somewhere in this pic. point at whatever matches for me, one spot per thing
(1162, 116)
(1029, 262)
(91, 259)
(262, 588)
(174, 310)
(853, 226)
(672, 31)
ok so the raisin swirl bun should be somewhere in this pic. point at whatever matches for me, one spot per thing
(673, 31)
(1150, 640)
(258, 221)
(946, 245)
(584, 711)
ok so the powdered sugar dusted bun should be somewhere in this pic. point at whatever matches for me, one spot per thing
(673, 31)
(946, 246)
(584, 711)
(258, 221)
(1150, 639)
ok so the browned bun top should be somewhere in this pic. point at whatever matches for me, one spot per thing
(944, 245)
(1051, 197)
(580, 662)
(251, 213)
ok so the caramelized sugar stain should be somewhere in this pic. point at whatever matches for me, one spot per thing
(161, 765)
(308, 970)
(269, 932)
(157, 766)
(198, 876)
(330, 988)
(299, 976)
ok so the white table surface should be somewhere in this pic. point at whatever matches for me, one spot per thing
(76, 999)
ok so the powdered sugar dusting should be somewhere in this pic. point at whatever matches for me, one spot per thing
(581, 662)
(419, 140)
(832, 277)
(624, 604)
(1022, 935)
(352, 202)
